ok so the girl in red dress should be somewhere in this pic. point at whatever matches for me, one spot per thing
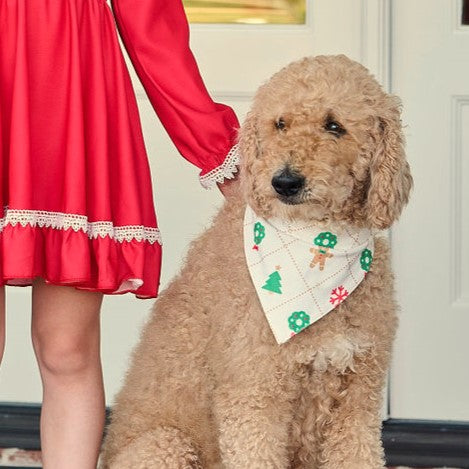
(77, 216)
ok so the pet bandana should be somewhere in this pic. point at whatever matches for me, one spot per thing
(301, 271)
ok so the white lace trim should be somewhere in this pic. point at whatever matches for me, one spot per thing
(65, 221)
(226, 170)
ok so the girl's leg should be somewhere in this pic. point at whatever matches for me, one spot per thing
(2, 322)
(66, 339)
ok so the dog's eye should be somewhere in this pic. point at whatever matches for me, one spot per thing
(334, 128)
(280, 124)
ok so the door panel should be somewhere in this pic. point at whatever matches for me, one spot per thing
(430, 376)
(234, 60)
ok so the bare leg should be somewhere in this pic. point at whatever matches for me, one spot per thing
(2, 322)
(66, 339)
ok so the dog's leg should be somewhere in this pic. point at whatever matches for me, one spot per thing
(305, 435)
(351, 435)
(253, 409)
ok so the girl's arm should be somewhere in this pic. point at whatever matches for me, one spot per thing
(156, 36)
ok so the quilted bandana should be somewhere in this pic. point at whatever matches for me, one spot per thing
(301, 271)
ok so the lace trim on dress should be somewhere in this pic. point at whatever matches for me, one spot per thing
(226, 170)
(65, 221)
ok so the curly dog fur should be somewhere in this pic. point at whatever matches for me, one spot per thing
(209, 387)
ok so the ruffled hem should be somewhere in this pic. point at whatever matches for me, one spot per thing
(226, 170)
(127, 286)
(71, 258)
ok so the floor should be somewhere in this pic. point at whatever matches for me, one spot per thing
(11, 457)
(28, 459)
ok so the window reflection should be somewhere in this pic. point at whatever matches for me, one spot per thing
(246, 11)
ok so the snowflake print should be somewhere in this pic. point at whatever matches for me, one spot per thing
(338, 295)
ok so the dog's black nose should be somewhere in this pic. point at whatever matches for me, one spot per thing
(288, 183)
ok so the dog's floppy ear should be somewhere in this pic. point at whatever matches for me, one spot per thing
(390, 178)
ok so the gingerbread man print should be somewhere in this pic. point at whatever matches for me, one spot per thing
(324, 242)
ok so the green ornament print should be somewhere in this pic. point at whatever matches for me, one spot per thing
(325, 240)
(366, 259)
(259, 232)
(273, 283)
(298, 321)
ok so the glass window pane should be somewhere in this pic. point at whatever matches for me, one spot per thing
(246, 11)
(465, 12)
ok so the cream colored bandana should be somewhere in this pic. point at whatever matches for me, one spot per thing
(300, 271)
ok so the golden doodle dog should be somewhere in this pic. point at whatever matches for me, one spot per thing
(214, 382)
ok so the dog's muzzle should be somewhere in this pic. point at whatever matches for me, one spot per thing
(287, 183)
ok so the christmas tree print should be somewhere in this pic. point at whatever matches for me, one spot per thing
(298, 321)
(259, 234)
(273, 283)
(366, 259)
(338, 295)
(324, 241)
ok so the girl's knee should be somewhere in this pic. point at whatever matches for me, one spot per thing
(65, 356)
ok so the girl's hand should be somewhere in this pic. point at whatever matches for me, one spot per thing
(230, 187)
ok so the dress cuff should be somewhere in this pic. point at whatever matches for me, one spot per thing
(226, 170)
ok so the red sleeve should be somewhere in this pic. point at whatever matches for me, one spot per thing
(156, 36)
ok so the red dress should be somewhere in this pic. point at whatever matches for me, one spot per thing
(75, 182)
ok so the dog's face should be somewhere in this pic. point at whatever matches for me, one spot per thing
(324, 142)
